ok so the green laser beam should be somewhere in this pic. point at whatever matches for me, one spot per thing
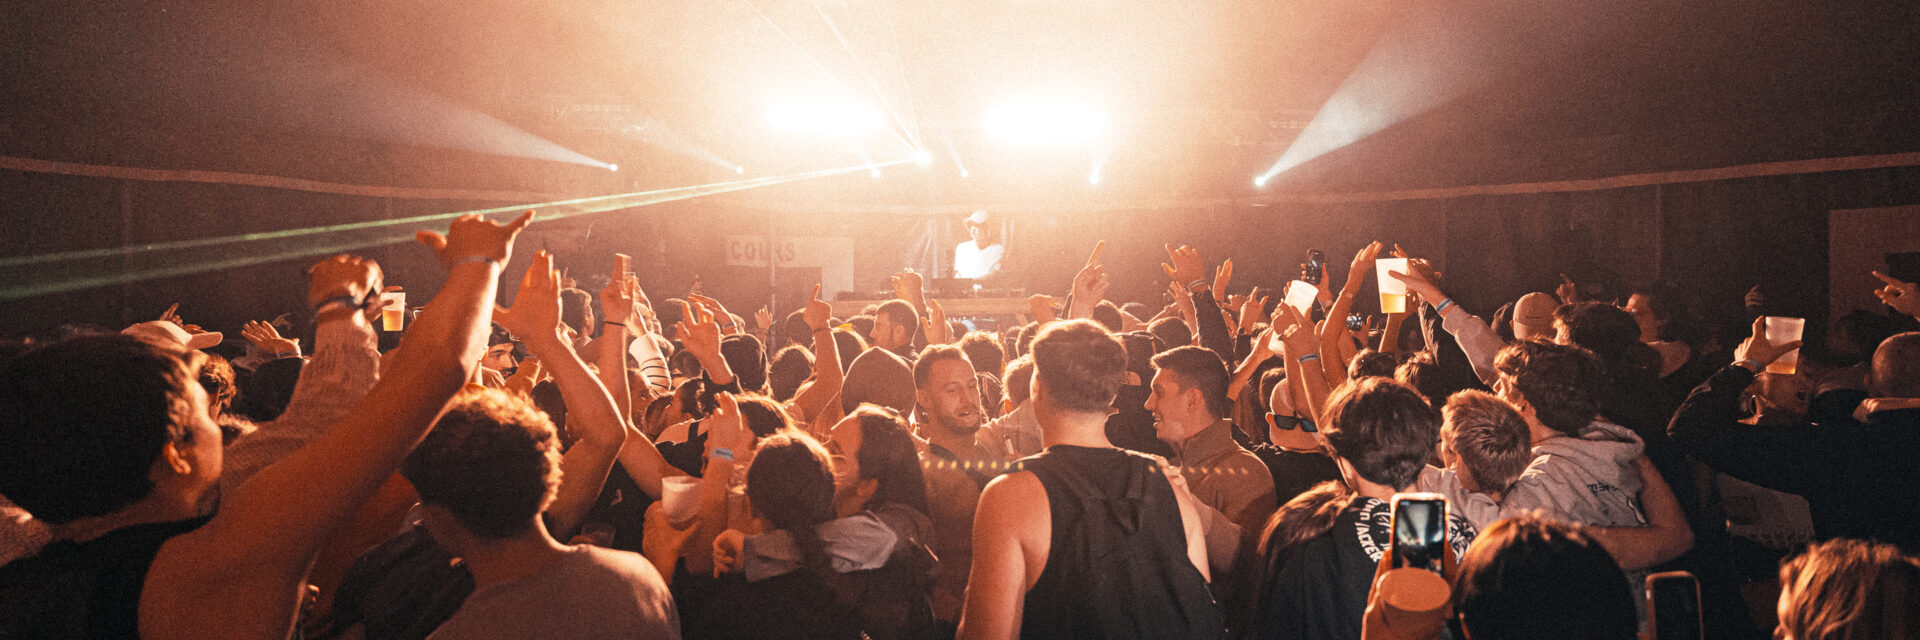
(325, 240)
(735, 185)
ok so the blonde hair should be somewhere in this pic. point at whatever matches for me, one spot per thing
(1849, 590)
(1491, 438)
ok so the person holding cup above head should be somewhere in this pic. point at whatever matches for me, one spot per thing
(1858, 477)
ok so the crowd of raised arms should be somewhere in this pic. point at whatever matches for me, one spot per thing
(611, 466)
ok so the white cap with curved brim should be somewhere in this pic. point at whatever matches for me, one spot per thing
(167, 334)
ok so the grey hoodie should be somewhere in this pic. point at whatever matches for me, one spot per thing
(1591, 479)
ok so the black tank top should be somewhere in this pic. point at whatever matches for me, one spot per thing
(84, 589)
(1117, 566)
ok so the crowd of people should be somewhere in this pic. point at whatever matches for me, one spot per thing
(1231, 465)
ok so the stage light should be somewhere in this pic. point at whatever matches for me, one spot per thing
(1044, 121)
(613, 167)
(826, 117)
(1260, 180)
(739, 169)
(1094, 179)
(875, 173)
(923, 158)
(964, 174)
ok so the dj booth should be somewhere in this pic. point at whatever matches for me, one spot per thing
(955, 307)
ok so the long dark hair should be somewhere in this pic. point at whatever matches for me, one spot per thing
(790, 484)
(888, 457)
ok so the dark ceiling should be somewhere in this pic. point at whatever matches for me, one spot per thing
(1204, 95)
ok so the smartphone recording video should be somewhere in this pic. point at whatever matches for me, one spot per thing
(1310, 273)
(1419, 531)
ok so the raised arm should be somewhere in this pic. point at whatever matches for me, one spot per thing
(592, 414)
(1302, 355)
(343, 367)
(827, 375)
(1707, 426)
(1187, 270)
(1089, 285)
(241, 574)
(1334, 329)
(1475, 337)
(700, 333)
(1666, 535)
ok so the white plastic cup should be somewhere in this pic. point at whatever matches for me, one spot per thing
(680, 496)
(1781, 330)
(1393, 292)
(1300, 295)
(393, 309)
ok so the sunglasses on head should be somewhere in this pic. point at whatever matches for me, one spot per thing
(1291, 422)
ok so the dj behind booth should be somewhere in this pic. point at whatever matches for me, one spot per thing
(975, 294)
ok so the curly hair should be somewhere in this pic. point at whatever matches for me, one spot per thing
(1563, 384)
(492, 460)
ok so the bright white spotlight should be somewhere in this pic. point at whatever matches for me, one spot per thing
(1044, 121)
(827, 117)
(1260, 181)
(613, 167)
(875, 172)
(923, 158)
(739, 169)
(1094, 179)
(964, 174)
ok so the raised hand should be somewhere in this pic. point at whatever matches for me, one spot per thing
(1902, 296)
(936, 327)
(908, 285)
(720, 313)
(1184, 265)
(1090, 285)
(1040, 306)
(618, 303)
(1183, 300)
(343, 275)
(1758, 349)
(268, 339)
(1222, 276)
(536, 308)
(762, 321)
(818, 314)
(1568, 292)
(172, 314)
(1362, 264)
(472, 237)
(698, 331)
(1250, 311)
(1417, 284)
(725, 430)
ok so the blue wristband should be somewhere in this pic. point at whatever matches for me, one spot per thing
(1442, 307)
(1309, 358)
(721, 453)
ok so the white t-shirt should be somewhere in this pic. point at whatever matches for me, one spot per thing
(971, 261)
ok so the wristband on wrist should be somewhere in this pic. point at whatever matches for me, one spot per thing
(614, 324)
(1749, 364)
(1197, 284)
(1309, 358)
(472, 259)
(721, 453)
(1442, 307)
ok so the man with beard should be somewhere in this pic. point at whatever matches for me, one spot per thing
(957, 467)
